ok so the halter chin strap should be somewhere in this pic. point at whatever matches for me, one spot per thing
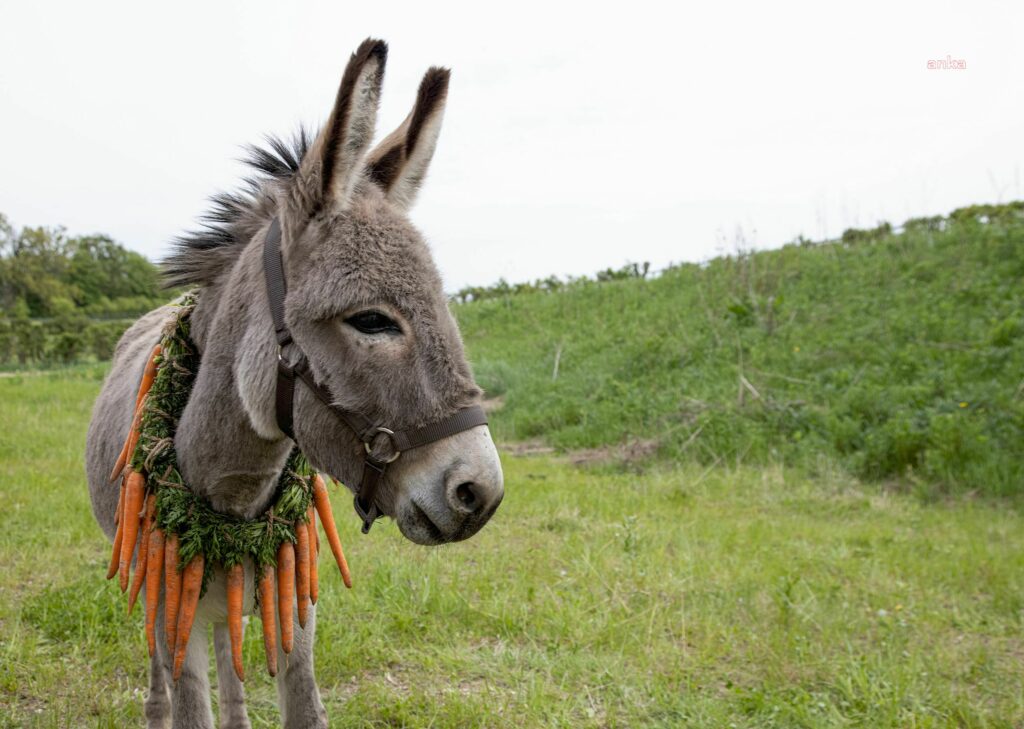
(383, 445)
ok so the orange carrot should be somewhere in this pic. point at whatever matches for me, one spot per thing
(323, 507)
(148, 375)
(142, 560)
(286, 592)
(312, 528)
(154, 568)
(267, 616)
(191, 586)
(130, 442)
(172, 590)
(302, 570)
(133, 436)
(132, 506)
(314, 554)
(115, 555)
(236, 586)
(122, 457)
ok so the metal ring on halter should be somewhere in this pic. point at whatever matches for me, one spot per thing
(369, 450)
(280, 351)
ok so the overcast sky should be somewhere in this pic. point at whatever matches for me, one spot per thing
(576, 137)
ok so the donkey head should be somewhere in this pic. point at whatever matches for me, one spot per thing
(366, 305)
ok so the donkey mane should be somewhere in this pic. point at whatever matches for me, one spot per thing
(200, 256)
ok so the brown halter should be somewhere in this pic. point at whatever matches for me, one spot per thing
(370, 433)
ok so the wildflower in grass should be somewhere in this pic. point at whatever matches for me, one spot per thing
(963, 404)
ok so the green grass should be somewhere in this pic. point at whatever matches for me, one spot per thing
(683, 596)
(900, 356)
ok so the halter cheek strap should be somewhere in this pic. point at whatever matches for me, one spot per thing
(292, 364)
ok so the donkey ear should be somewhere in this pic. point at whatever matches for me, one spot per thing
(335, 161)
(400, 161)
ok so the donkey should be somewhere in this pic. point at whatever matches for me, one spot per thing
(366, 304)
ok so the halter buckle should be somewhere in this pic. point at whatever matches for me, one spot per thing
(368, 444)
(368, 516)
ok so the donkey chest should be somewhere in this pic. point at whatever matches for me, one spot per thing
(244, 495)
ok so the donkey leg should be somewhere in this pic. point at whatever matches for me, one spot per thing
(190, 695)
(158, 701)
(232, 694)
(297, 694)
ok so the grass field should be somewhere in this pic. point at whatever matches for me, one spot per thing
(682, 596)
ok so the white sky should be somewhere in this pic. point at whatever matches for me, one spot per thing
(576, 137)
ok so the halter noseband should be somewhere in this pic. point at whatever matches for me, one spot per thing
(366, 430)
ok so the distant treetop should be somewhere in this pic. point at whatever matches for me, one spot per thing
(44, 272)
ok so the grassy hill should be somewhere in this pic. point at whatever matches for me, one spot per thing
(895, 353)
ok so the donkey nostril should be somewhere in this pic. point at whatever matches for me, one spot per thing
(465, 494)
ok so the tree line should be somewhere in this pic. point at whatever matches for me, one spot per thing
(68, 298)
(65, 298)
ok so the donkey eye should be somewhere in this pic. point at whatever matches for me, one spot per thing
(373, 322)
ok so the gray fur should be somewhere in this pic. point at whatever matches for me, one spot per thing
(158, 700)
(232, 693)
(347, 248)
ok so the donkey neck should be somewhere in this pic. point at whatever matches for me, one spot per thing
(229, 450)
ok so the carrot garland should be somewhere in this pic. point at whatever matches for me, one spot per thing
(133, 434)
(154, 568)
(302, 571)
(132, 440)
(286, 593)
(172, 589)
(191, 585)
(132, 506)
(323, 507)
(142, 559)
(180, 539)
(314, 553)
(115, 555)
(123, 457)
(148, 375)
(266, 591)
(235, 587)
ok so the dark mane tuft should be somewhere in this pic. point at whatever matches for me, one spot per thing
(199, 256)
